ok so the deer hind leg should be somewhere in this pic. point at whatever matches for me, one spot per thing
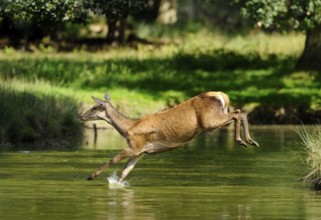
(128, 152)
(246, 130)
(129, 166)
(228, 118)
(237, 122)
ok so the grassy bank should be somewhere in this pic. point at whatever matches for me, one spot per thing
(29, 117)
(256, 71)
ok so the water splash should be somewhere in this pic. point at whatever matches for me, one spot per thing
(114, 183)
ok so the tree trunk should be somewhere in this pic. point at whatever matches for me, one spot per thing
(311, 56)
(150, 13)
(121, 26)
(111, 23)
(116, 30)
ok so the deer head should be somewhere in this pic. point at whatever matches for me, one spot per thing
(97, 112)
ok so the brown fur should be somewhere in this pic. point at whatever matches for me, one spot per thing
(167, 130)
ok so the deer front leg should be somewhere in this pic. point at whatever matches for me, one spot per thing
(124, 154)
(129, 166)
(246, 130)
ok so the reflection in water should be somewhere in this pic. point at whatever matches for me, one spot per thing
(105, 138)
(123, 205)
(210, 178)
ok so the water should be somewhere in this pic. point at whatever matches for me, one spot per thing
(211, 178)
(114, 183)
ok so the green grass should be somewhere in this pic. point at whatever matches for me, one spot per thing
(252, 70)
(256, 71)
(311, 143)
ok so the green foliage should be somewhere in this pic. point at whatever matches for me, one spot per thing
(42, 12)
(283, 14)
(27, 117)
(115, 9)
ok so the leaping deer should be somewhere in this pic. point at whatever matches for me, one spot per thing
(169, 129)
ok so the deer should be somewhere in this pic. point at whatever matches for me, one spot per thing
(168, 129)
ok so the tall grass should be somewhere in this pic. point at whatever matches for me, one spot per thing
(311, 143)
(29, 117)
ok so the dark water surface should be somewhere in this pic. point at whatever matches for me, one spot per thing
(210, 178)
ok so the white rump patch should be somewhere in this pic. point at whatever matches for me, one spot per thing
(220, 96)
(114, 183)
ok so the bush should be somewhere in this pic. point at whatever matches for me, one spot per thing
(27, 117)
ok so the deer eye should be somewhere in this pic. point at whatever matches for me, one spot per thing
(94, 108)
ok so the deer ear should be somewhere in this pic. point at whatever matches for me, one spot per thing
(107, 96)
(97, 100)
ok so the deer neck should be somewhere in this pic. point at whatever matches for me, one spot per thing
(117, 120)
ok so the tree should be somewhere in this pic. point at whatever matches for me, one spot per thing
(38, 17)
(116, 12)
(150, 12)
(284, 15)
(219, 14)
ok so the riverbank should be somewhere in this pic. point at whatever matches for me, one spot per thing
(29, 117)
(257, 72)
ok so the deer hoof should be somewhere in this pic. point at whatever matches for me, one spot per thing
(91, 177)
(254, 143)
(240, 142)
